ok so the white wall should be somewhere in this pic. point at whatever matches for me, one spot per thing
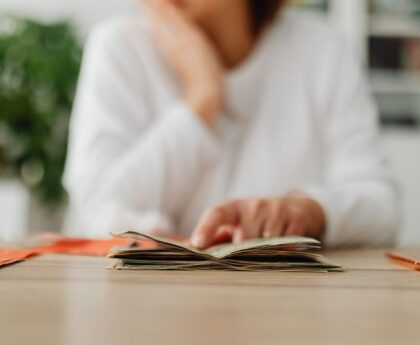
(84, 13)
(403, 147)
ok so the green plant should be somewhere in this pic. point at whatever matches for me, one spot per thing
(39, 66)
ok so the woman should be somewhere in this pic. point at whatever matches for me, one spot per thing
(229, 121)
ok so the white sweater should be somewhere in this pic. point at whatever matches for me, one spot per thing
(298, 116)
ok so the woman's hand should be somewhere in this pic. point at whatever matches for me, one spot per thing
(192, 56)
(245, 219)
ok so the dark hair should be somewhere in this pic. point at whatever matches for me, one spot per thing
(263, 12)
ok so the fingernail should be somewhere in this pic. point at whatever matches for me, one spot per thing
(237, 237)
(199, 241)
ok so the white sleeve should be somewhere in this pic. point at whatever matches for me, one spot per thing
(128, 167)
(358, 196)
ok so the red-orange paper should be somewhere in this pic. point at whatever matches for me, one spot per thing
(409, 259)
(56, 244)
(11, 256)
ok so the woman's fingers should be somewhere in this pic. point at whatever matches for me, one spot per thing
(167, 16)
(253, 214)
(277, 219)
(165, 24)
(252, 218)
(223, 234)
(296, 222)
(209, 224)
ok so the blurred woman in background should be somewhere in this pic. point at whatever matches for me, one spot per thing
(227, 120)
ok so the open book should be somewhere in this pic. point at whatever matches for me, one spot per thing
(274, 254)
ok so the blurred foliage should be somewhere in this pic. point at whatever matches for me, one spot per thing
(39, 66)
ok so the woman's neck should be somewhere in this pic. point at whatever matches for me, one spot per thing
(231, 33)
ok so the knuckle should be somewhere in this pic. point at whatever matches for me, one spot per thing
(279, 206)
(299, 216)
(258, 205)
(217, 210)
(172, 49)
(234, 203)
(211, 212)
(247, 233)
(184, 43)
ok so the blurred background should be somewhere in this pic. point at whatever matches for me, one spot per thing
(41, 45)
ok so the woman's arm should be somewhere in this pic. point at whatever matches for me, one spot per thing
(126, 163)
(355, 203)
(358, 197)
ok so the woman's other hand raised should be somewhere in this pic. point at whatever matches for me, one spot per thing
(192, 56)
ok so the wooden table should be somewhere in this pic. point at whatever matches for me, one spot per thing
(75, 300)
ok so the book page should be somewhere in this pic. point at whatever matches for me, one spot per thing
(223, 250)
